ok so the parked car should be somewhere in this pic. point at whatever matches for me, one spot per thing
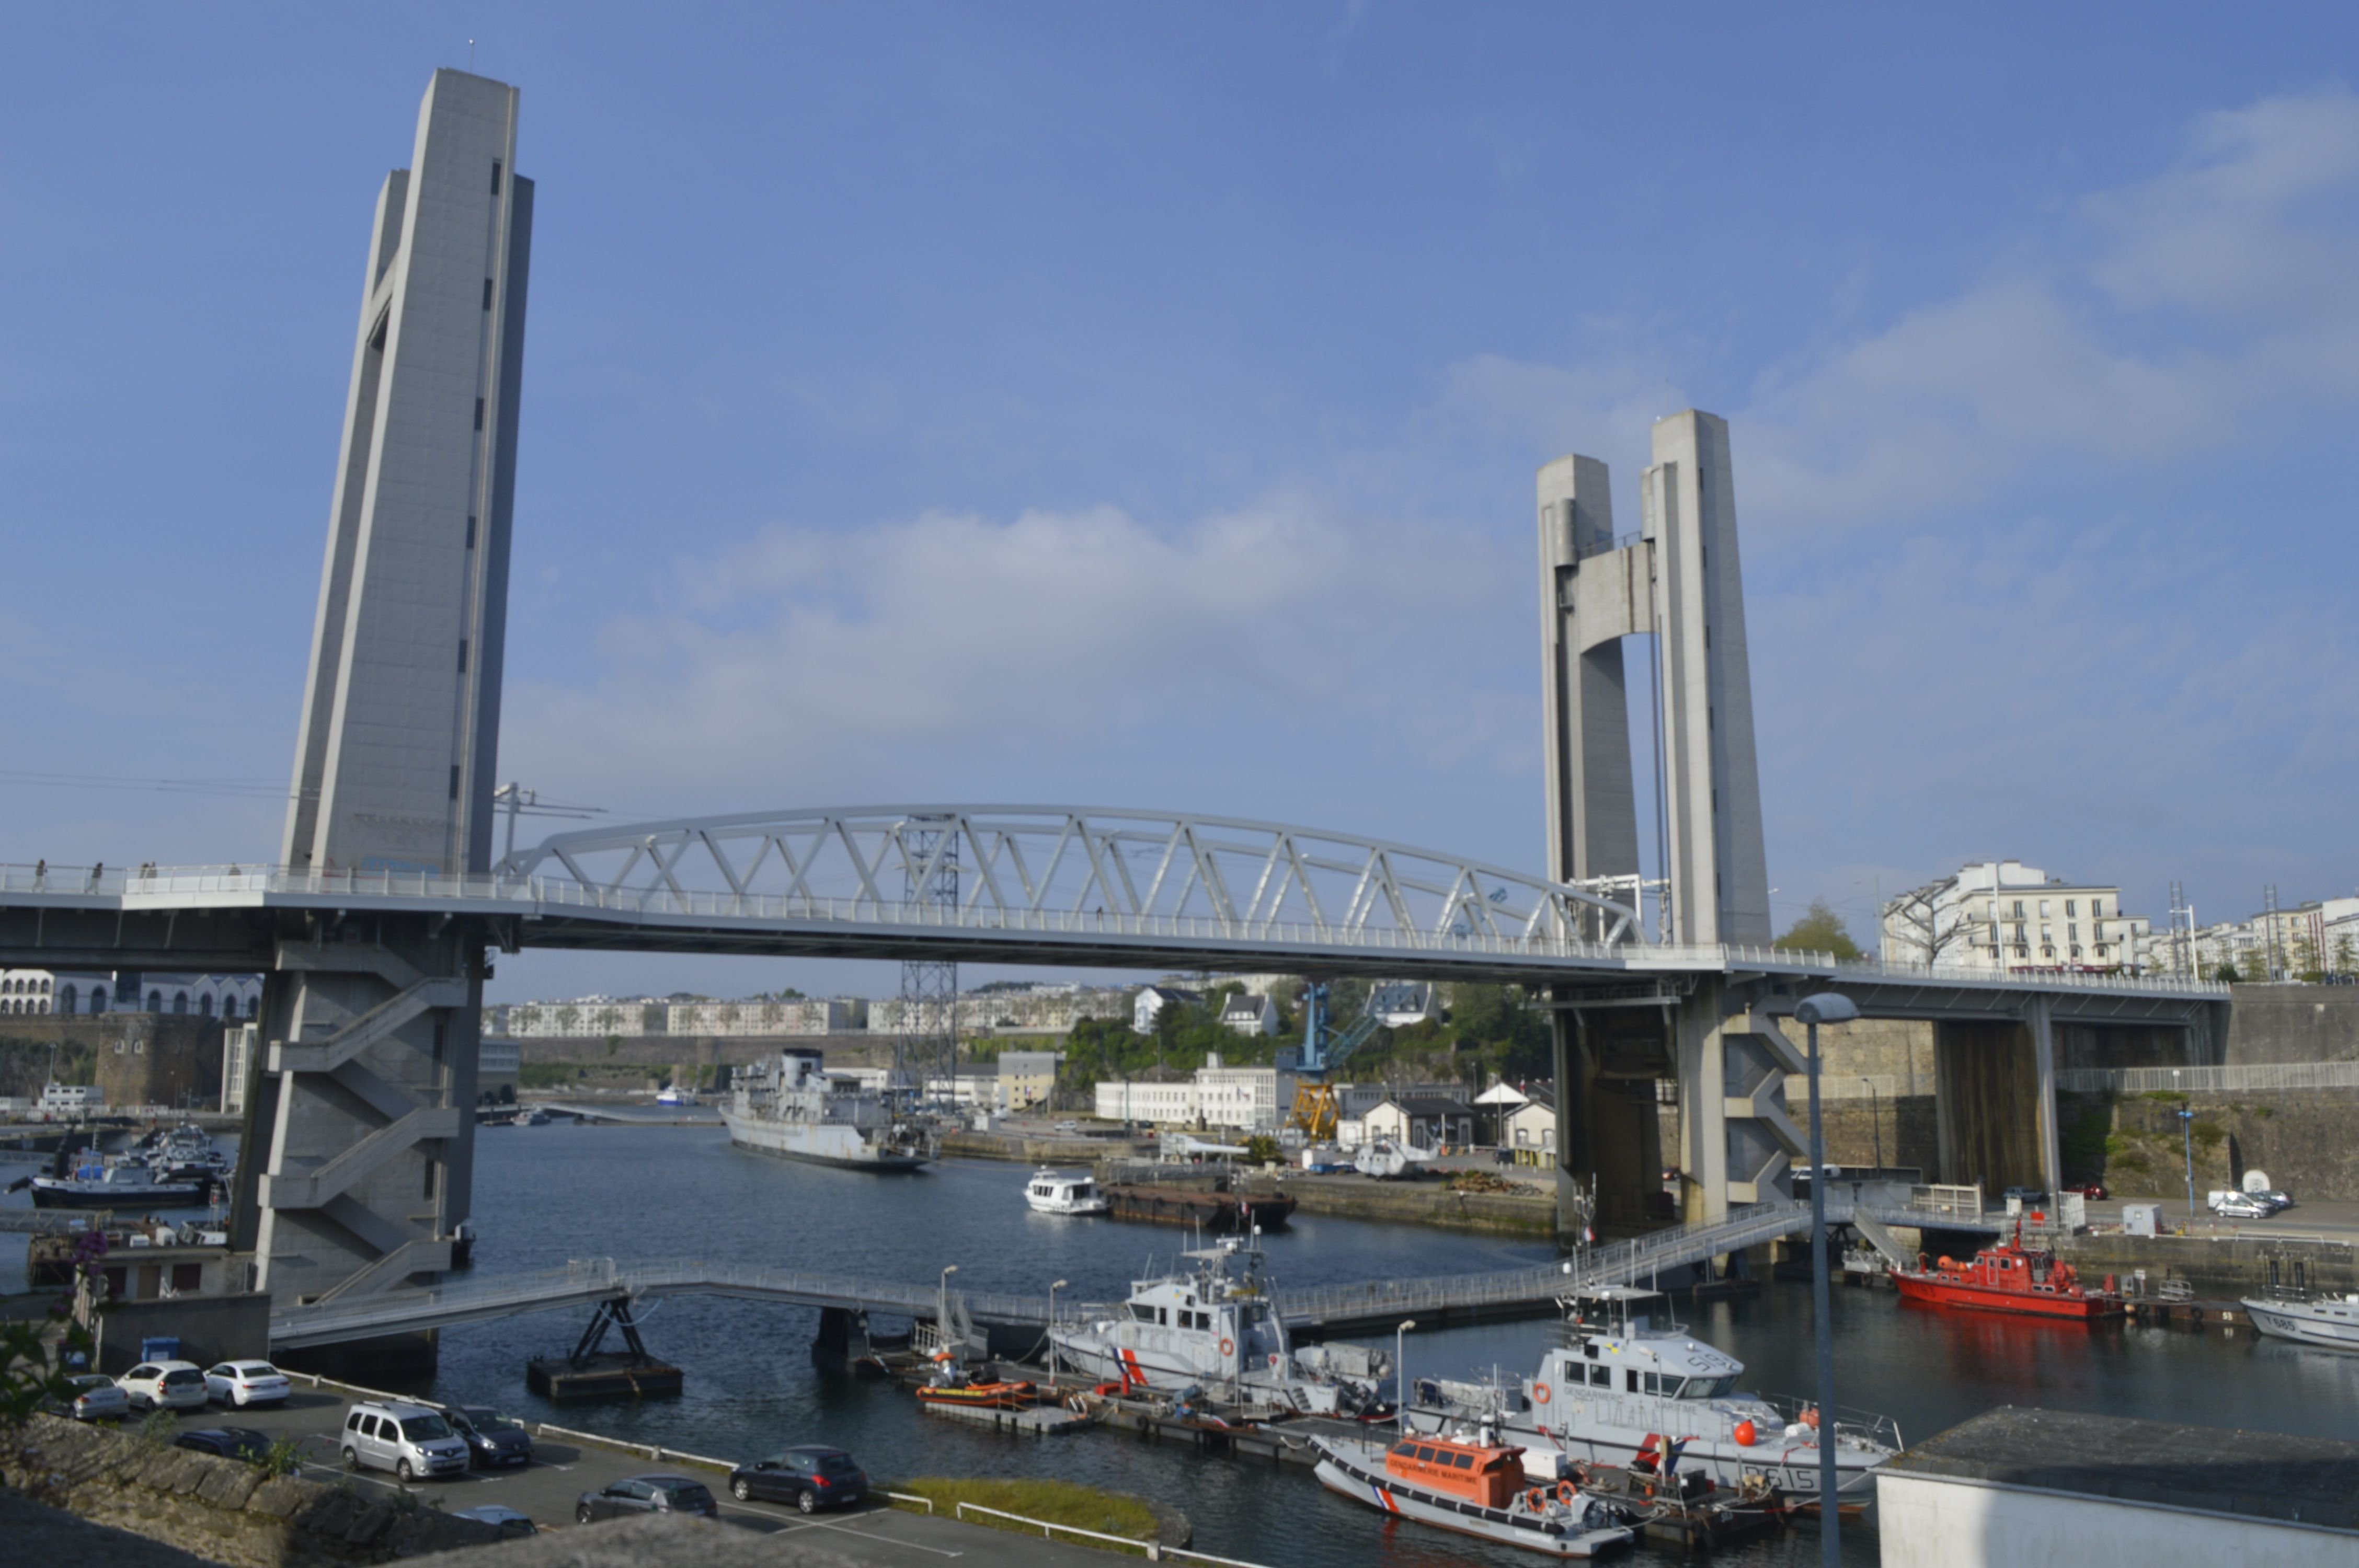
(2025, 1195)
(2093, 1191)
(229, 1442)
(93, 1397)
(167, 1385)
(647, 1494)
(2276, 1198)
(493, 1440)
(508, 1521)
(1068, 1127)
(244, 1383)
(810, 1477)
(408, 1440)
(2236, 1205)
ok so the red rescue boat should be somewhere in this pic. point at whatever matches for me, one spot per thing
(2009, 1277)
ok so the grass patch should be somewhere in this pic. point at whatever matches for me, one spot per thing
(1058, 1502)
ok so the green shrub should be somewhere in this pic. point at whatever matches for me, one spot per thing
(2209, 1134)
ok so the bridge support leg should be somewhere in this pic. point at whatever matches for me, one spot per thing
(1574, 1176)
(364, 1167)
(1986, 1079)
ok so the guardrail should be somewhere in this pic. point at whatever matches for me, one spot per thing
(543, 894)
(1155, 1550)
(2248, 1079)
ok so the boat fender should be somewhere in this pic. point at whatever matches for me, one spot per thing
(1540, 1393)
(1811, 1418)
(1273, 1358)
(1228, 1347)
(1746, 1436)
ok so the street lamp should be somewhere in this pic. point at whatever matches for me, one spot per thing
(1054, 1286)
(1400, 1377)
(942, 1303)
(1826, 1006)
(2187, 1135)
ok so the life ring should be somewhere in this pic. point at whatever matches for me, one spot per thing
(1228, 1347)
(1536, 1499)
(1567, 1493)
(1540, 1393)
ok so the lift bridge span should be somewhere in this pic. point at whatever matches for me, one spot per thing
(1034, 884)
(1324, 1311)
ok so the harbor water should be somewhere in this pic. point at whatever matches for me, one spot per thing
(545, 1195)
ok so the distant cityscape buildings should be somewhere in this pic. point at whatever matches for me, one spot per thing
(92, 991)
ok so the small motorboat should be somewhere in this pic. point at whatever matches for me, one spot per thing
(1473, 1485)
(953, 1385)
(1061, 1191)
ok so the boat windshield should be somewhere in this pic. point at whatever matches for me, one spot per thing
(1708, 1388)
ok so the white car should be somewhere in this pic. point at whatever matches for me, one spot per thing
(92, 1397)
(244, 1383)
(2236, 1205)
(165, 1384)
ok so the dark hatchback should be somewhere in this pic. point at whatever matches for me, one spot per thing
(229, 1442)
(493, 1440)
(636, 1494)
(810, 1477)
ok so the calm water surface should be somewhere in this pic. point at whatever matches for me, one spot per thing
(547, 1195)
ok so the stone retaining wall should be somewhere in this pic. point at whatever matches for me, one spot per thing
(223, 1509)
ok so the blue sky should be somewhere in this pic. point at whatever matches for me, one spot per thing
(1138, 405)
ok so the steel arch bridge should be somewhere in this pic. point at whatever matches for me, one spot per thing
(1039, 866)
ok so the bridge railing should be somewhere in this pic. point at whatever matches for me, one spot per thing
(167, 884)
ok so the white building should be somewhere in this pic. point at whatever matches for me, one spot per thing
(2319, 936)
(1027, 1078)
(1246, 1100)
(87, 991)
(1400, 1003)
(1245, 1013)
(1426, 1121)
(2006, 916)
(72, 1099)
(977, 1090)
(633, 1017)
(1150, 1002)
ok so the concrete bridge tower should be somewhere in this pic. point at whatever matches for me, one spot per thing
(1680, 579)
(359, 1141)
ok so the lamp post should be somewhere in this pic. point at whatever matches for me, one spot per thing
(2187, 1136)
(1400, 1375)
(1826, 1006)
(1054, 1286)
(1875, 1121)
(942, 1303)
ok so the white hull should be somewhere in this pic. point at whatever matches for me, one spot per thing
(2332, 1324)
(1569, 1535)
(1087, 1206)
(818, 1143)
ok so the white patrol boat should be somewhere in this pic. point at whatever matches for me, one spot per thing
(2332, 1319)
(1625, 1375)
(793, 1107)
(1061, 1191)
(1216, 1328)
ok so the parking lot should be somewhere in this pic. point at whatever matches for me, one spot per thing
(545, 1490)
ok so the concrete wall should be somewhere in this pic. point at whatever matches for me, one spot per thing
(221, 1510)
(2301, 1138)
(137, 1059)
(210, 1328)
(2292, 1023)
(1930, 1522)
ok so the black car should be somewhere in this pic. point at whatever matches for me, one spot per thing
(229, 1442)
(493, 1440)
(647, 1494)
(810, 1477)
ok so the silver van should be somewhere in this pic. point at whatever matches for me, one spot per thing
(408, 1440)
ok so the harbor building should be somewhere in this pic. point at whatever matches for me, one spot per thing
(89, 992)
(1246, 1100)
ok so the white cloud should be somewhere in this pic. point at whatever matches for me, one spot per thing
(807, 662)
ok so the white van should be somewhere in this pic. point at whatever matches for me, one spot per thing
(408, 1440)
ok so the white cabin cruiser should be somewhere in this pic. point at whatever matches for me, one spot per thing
(1626, 1372)
(1216, 1328)
(1063, 1192)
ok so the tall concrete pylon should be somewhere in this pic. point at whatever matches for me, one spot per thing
(1679, 578)
(360, 1127)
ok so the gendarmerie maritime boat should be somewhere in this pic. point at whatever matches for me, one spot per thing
(1214, 1327)
(1475, 1487)
(2329, 1320)
(790, 1107)
(1625, 1374)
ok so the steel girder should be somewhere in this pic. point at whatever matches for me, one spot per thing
(1017, 861)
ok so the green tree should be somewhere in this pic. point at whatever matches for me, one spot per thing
(1821, 930)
